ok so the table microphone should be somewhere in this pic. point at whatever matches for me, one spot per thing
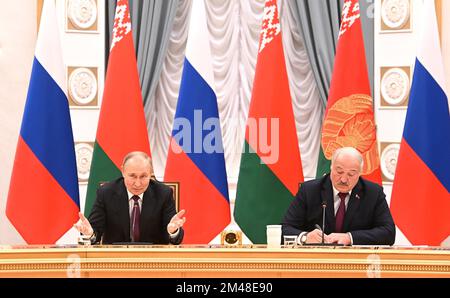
(324, 206)
(318, 227)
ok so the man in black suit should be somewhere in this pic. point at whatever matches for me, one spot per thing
(134, 208)
(366, 218)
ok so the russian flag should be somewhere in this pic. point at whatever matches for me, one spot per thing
(420, 200)
(195, 159)
(43, 199)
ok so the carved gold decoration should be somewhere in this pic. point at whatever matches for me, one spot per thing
(83, 153)
(205, 261)
(394, 86)
(83, 86)
(82, 15)
(395, 15)
(230, 237)
(198, 264)
(389, 157)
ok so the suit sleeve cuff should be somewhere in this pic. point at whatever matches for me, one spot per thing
(299, 238)
(174, 235)
(351, 238)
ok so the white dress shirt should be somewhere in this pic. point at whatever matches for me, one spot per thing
(131, 202)
(337, 202)
(141, 198)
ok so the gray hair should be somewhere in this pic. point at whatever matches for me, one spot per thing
(140, 154)
(351, 152)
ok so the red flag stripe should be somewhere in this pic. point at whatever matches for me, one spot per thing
(271, 103)
(122, 127)
(43, 211)
(420, 209)
(349, 118)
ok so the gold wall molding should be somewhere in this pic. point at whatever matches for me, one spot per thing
(82, 86)
(395, 15)
(395, 84)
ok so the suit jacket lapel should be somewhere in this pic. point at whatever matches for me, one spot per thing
(327, 195)
(147, 202)
(123, 210)
(353, 205)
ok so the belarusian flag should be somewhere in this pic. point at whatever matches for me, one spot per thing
(122, 127)
(271, 168)
(349, 119)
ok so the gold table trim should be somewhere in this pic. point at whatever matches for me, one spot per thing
(182, 261)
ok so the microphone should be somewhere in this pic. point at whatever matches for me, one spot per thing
(324, 206)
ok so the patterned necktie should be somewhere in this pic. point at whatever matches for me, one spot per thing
(341, 212)
(135, 217)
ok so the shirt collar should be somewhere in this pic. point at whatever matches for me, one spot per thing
(335, 194)
(130, 195)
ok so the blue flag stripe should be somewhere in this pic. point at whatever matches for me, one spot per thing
(196, 95)
(427, 124)
(52, 144)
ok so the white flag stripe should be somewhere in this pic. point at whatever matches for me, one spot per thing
(48, 47)
(429, 50)
(198, 50)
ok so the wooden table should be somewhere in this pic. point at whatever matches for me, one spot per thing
(219, 261)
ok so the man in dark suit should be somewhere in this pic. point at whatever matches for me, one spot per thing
(365, 219)
(134, 208)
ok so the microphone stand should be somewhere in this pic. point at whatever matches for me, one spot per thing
(324, 206)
